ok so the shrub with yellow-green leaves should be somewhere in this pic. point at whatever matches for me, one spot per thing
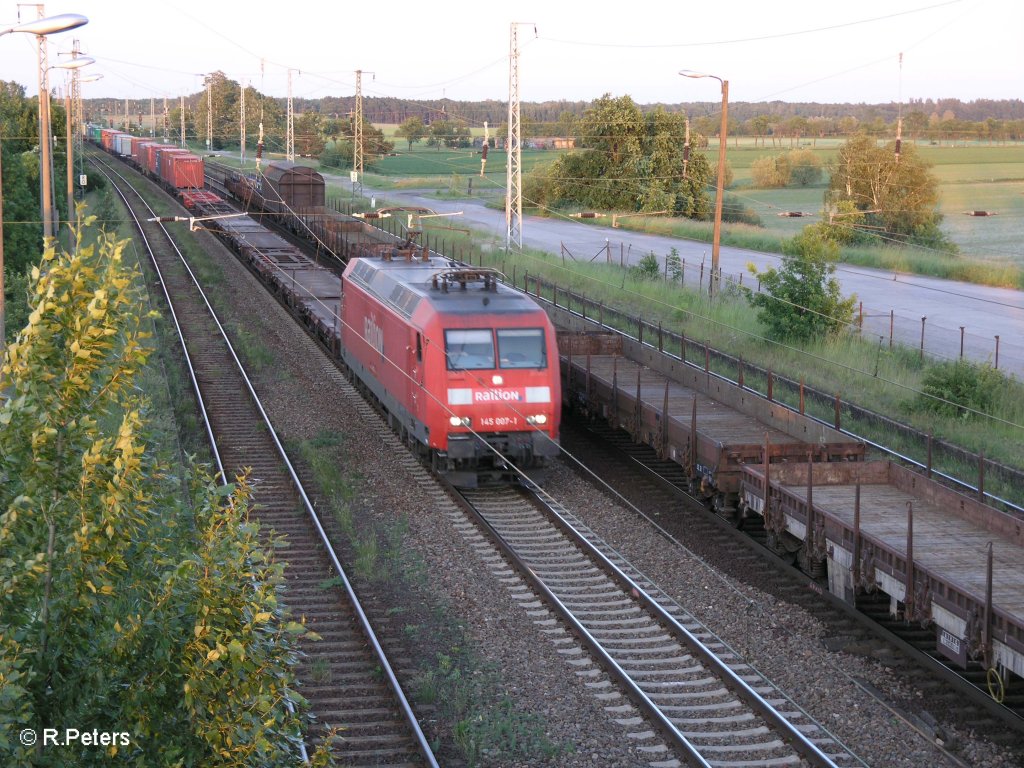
(123, 606)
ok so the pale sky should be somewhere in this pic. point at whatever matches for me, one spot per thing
(793, 50)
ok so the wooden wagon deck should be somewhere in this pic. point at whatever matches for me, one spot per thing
(717, 421)
(948, 571)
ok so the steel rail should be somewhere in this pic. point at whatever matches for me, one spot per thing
(932, 664)
(804, 747)
(797, 741)
(426, 750)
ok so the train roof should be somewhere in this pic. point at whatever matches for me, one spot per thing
(450, 288)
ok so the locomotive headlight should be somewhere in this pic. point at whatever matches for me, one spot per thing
(539, 419)
(459, 421)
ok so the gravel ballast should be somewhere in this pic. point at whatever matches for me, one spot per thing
(475, 591)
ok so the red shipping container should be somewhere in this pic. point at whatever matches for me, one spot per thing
(137, 145)
(164, 161)
(184, 171)
(153, 157)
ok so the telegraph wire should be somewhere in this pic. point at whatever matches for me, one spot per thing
(758, 38)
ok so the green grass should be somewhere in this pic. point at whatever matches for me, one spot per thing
(971, 178)
(424, 166)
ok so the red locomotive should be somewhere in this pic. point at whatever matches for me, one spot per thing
(466, 367)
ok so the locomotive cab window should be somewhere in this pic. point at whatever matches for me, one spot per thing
(521, 348)
(469, 349)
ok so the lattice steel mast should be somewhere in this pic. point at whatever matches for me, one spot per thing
(289, 143)
(513, 146)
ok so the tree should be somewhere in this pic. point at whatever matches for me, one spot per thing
(915, 123)
(124, 607)
(449, 133)
(412, 130)
(801, 299)
(340, 153)
(629, 161)
(771, 171)
(759, 126)
(19, 135)
(898, 194)
(674, 266)
(309, 140)
(796, 127)
(805, 167)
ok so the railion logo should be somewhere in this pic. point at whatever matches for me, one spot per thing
(497, 396)
(373, 334)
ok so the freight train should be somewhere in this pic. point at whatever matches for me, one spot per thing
(465, 368)
(467, 372)
(169, 164)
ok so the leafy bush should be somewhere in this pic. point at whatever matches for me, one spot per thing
(801, 299)
(959, 389)
(124, 606)
(805, 167)
(771, 172)
(648, 268)
(735, 212)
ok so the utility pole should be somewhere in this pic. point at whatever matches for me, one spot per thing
(45, 180)
(289, 143)
(74, 115)
(357, 132)
(3, 308)
(152, 117)
(181, 114)
(209, 113)
(127, 120)
(165, 120)
(242, 131)
(720, 192)
(357, 128)
(513, 146)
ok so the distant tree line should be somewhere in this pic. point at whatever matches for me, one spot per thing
(928, 119)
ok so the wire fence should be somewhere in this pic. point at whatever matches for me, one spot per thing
(942, 338)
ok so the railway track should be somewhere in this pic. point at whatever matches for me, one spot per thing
(346, 676)
(655, 485)
(709, 707)
(750, 748)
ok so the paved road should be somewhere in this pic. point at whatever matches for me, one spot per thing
(889, 299)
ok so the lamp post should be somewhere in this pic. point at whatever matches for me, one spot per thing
(40, 28)
(717, 237)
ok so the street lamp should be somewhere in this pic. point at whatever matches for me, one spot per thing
(50, 25)
(40, 28)
(717, 237)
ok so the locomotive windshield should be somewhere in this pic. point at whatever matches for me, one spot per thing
(469, 349)
(521, 348)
